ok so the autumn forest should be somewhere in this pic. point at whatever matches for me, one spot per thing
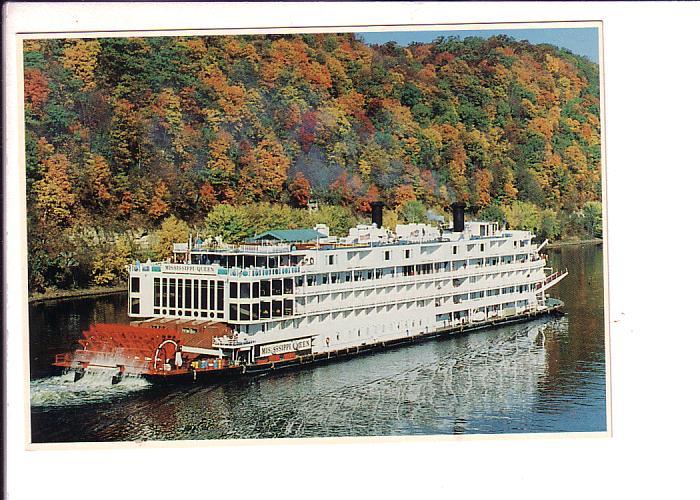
(133, 143)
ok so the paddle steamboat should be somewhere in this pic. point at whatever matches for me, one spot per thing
(292, 297)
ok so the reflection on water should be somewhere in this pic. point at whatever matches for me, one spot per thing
(542, 376)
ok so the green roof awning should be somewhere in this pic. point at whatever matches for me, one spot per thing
(290, 235)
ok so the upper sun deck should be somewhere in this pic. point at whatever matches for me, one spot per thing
(281, 242)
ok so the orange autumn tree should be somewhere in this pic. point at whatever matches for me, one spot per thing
(263, 170)
(482, 186)
(36, 89)
(99, 179)
(300, 190)
(159, 203)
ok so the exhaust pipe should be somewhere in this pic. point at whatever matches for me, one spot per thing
(377, 212)
(458, 216)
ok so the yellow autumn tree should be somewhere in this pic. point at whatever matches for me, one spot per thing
(172, 230)
(110, 265)
(54, 194)
(80, 56)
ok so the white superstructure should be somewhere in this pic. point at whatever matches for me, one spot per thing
(303, 291)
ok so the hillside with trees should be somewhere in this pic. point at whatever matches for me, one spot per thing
(231, 136)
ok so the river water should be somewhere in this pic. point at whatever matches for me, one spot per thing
(547, 375)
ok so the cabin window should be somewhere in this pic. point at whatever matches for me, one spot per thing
(481, 247)
(196, 294)
(276, 287)
(256, 312)
(212, 286)
(331, 260)
(245, 291)
(188, 294)
(179, 293)
(156, 292)
(233, 290)
(171, 292)
(256, 290)
(265, 310)
(289, 286)
(135, 305)
(299, 280)
(203, 295)
(260, 262)
(276, 308)
(244, 312)
(387, 255)
(454, 250)
(219, 295)
(135, 284)
(407, 254)
(265, 288)
(288, 307)
(233, 312)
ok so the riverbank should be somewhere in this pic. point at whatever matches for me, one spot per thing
(566, 243)
(95, 291)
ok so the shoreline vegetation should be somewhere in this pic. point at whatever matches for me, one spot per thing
(135, 143)
(99, 291)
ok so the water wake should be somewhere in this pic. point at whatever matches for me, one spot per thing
(60, 390)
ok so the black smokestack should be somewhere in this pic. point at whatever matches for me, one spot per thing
(458, 216)
(377, 212)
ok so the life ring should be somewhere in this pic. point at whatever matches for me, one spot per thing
(328, 341)
(311, 261)
(161, 347)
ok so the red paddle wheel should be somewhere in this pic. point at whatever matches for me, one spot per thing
(126, 349)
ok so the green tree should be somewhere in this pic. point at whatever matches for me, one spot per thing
(413, 211)
(231, 223)
(523, 215)
(549, 224)
(592, 216)
(493, 213)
